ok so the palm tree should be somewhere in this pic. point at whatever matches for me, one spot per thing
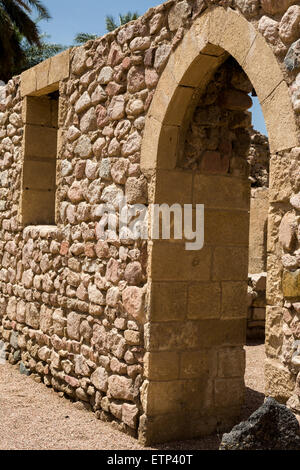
(111, 24)
(15, 24)
(81, 38)
(33, 54)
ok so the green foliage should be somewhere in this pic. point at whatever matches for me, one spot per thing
(15, 24)
(33, 55)
(111, 24)
(81, 38)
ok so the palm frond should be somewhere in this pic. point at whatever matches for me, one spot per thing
(16, 26)
(81, 38)
(22, 21)
(124, 19)
(37, 5)
(110, 23)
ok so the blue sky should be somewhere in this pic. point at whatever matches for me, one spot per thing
(70, 17)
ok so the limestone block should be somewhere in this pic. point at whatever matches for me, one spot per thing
(274, 284)
(37, 207)
(173, 187)
(229, 392)
(226, 227)
(291, 284)
(28, 82)
(170, 101)
(264, 77)
(36, 110)
(159, 145)
(221, 192)
(276, 6)
(198, 364)
(193, 265)
(232, 32)
(258, 226)
(42, 74)
(279, 381)
(230, 263)
(234, 299)
(173, 393)
(231, 362)
(161, 366)
(281, 128)
(204, 301)
(168, 301)
(59, 67)
(274, 333)
(40, 141)
(189, 335)
(39, 175)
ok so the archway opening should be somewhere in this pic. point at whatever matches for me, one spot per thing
(226, 155)
(199, 304)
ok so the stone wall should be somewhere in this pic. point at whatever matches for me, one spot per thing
(259, 158)
(84, 314)
(256, 306)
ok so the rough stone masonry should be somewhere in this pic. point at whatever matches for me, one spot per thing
(148, 335)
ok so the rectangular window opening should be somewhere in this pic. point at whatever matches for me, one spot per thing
(40, 154)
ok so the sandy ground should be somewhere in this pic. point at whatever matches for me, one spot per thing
(33, 416)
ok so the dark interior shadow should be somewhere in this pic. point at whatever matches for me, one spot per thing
(253, 400)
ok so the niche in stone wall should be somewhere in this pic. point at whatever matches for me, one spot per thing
(40, 114)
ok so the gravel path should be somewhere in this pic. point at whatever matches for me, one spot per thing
(35, 417)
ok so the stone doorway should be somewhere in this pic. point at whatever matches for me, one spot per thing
(198, 300)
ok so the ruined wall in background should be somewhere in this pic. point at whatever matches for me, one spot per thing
(259, 162)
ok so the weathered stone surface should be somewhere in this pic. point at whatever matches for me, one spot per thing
(129, 415)
(290, 25)
(83, 147)
(276, 6)
(105, 75)
(136, 79)
(295, 201)
(292, 59)
(88, 122)
(95, 295)
(116, 109)
(248, 7)
(73, 325)
(287, 231)
(236, 100)
(271, 427)
(136, 190)
(133, 300)
(161, 56)
(269, 28)
(291, 284)
(178, 14)
(83, 103)
(120, 388)
(99, 379)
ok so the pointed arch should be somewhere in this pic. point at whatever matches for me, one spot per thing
(217, 33)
